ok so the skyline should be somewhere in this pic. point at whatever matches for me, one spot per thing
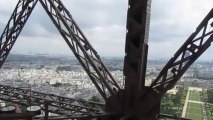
(103, 22)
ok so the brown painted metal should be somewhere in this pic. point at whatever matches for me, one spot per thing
(136, 49)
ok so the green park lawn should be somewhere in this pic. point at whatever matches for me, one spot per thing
(194, 95)
(194, 111)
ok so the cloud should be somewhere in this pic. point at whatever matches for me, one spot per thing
(110, 45)
(176, 19)
(98, 12)
(104, 21)
(27, 44)
(39, 24)
(7, 6)
(171, 24)
(1, 26)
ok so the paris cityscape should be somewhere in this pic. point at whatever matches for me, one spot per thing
(63, 76)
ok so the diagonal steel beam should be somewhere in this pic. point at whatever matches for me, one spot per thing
(14, 27)
(188, 53)
(80, 46)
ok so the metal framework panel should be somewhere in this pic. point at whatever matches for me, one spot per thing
(77, 42)
(14, 27)
(197, 43)
(80, 46)
(56, 104)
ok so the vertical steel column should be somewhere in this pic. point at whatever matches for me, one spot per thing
(138, 20)
(46, 107)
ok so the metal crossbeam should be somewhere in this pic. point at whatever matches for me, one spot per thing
(81, 117)
(82, 49)
(193, 48)
(16, 116)
(56, 104)
(14, 27)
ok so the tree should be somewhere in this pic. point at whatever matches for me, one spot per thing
(94, 99)
(211, 109)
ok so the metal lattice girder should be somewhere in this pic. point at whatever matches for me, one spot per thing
(14, 27)
(82, 49)
(195, 45)
(104, 116)
(136, 49)
(138, 20)
(56, 104)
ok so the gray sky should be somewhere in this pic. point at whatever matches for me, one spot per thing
(104, 21)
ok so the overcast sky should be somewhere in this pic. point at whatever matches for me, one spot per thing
(103, 22)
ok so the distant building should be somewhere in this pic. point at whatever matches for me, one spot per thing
(2, 103)
(195, 83)
(173, 91)
(195, 89)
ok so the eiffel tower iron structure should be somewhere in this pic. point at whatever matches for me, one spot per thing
(134, 100)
